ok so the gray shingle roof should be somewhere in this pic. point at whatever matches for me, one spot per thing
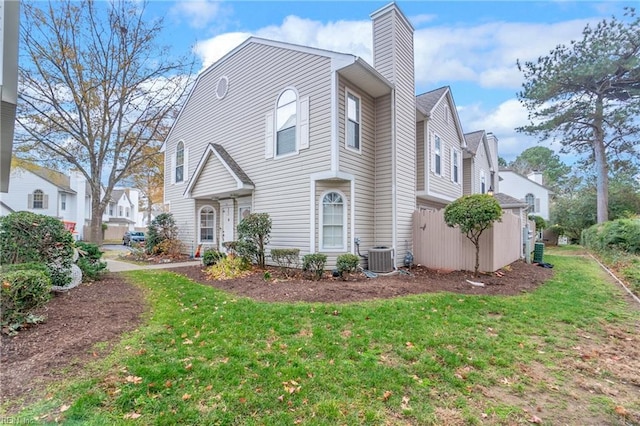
(426, 101)
(58, 179)
(508, 200)
(237, 170)
(473, 140)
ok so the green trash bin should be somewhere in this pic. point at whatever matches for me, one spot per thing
(538, 252)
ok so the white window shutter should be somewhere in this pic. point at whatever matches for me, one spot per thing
(30, 201)
(172, 170)
(451, 165)
(185, 165)
(303, 124)
(268, 135)
(537, 205)
(45, 201)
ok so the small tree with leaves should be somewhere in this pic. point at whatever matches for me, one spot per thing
(253, 231)
(162, 228)
(473, 214)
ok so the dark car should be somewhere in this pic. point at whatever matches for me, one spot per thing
(130, 237)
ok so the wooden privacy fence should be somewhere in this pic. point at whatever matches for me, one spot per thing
(438, 246)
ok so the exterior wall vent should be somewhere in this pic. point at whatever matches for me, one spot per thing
(381, 259)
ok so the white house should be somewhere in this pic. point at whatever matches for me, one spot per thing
(529, 189)
(67, 197)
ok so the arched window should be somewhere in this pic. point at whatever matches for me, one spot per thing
(530, 199)
(207, 224)
(333, 221)
(286, 116)
(38, 199)
(180, 162)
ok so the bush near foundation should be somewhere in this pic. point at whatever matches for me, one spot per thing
(347, 264)
(313, 264)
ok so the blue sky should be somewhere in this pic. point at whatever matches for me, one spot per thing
(471, 46)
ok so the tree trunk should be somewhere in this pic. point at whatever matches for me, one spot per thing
(97, 209)
(477, 244)
(602, 168)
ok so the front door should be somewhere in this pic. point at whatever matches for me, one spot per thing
(226, 219)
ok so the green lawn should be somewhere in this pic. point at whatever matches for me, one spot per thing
(205, 357)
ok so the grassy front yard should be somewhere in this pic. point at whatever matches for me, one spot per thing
(565, 354)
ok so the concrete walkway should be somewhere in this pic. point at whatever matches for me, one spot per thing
(119, 266)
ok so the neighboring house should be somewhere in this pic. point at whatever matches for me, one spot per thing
(9, 36)
(321, 141)
(67, 197)
(440, 149)
(528, 189)
(479, 164)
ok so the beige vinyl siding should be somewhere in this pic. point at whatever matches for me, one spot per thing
(450, 138)
(362, 165)
(420, 186)
(480, 163)
(394, 59)
(383, 217)
(214, 178)
(257, 75)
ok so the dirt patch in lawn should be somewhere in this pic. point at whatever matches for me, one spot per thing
(517, 278)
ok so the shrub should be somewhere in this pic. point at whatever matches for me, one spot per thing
(253, 233)
(211, 257)
(313, 264)
(162, 227)
(287, 260)
(29, 237)
(620, 234)
(168, 247)
(539, 221)
(473, 214)
(347, 264)
(90, 262)
(22, 291)
(228, 267)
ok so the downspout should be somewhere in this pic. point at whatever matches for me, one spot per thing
(312, 215)
(353, 215)
(335, 161)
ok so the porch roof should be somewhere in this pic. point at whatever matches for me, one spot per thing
(218, 176)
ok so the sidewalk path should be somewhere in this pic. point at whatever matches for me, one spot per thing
(119, 266)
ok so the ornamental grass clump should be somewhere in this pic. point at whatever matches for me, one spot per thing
(229, 267)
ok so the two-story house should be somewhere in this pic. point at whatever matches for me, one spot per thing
(440, 149)
(480, 163)
(67, 197)
(321, 141)
(529, 189)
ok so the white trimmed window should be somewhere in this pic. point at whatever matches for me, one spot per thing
(38, 200)
(455, 166)
(63, 201)
(353, 121)
(530, 199)
(126, 211)
(179, 169)
(110, 209)
(207, 224)
(483, 182)
(334, 222)
(437, 155)
(120, 211)
(286, 120)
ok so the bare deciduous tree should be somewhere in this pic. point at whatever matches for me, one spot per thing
(96, 90)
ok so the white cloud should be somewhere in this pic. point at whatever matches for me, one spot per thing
(198, 13)
(212, 49)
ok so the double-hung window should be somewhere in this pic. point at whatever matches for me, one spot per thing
(483, 182)
(353, 121)
(63, 201)
(437, 155)
(530, 199)
(38, 199)
(286, 116)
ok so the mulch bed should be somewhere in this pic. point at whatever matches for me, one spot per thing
(102, 311)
